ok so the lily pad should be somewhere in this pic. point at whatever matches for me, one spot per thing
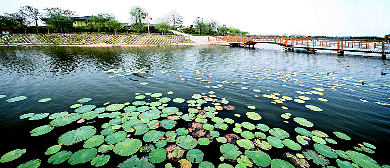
(78, 135)
(165, 100)
(279, 133)
(135, 162)
(251, 107)
(115, 107)
(59, 157)
(100, 160)
(244, 161)
(58, 115)
(2, 96)
(253, 116)
(245, 143)
(141, 129)
(229, 151)
(151, 114)
(369, 145)
(318, 140)
(303, 132)
(362, 159)
(325, 150)
(127, 147)
(53, 149)
(168, 124)
(85, 108)
(27, 115)
(41, 130)
(317, 159)
(65, 120)
(195, 156)
(158, 155)
(153, 136)
(140, 97)
(15, 99)
(262, 144)
(303, 122)
(39, 116)
(342, 135)
(94, 141)
(82, 156)
(275, 142)
(179, 100)
(280, 163)
(44, 100)
(259, 158)
(248, 125)
(116, 137)
(262, 127)
(319, 134)
(203, 141)
(291, 144)
(247, 135)
(84, 100)
(31, 164)
(105, 148)
(206, 164)
(12, 155)
(186, 142)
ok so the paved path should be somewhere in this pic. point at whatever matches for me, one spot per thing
(202, 40)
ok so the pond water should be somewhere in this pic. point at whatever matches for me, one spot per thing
(353, 91)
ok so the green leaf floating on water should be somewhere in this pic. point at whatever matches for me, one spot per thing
(115, 107)
(135, 162)
(318, 140)
(94, 141)
(65, 120)
(140, 97)
(15, 99)
(203, 141)
(31, 164)
(279, 133)
(156, 95)
(186, 142)
(78, 135)
(179, 100)
(12, 155)
(342, 135)
(314, 108)
(53, 149)
(362, 159)
(127, 147)
(303, 122)
(153, 136)
(27, 115)
(41, 130)
(116, 137)
(253, 116)
(247, 135)
(281, 163)
(369, 145)
(158, 155)
(59, 157)
(39, 116)
(325, 150)
(291, 144)
(44, 100)
(195, 156)
(248, 125)
(319, 134)
(259, 158)
(85, 108)
(317, 159)
(168, 124)
(165, 100)
(82, 156)
(303, 132)
(100, 160)
(84, 100)
(229, 151)
(58, 115)
(251, 107)
(262, 127)
(344, 164)
(245, 143)
(2, 96)
(275, 142)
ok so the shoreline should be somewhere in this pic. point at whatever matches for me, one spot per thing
(110, 45)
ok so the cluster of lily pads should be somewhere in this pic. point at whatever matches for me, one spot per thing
(147, 133)
(91, 39)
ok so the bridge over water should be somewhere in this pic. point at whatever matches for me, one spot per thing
(311, 44)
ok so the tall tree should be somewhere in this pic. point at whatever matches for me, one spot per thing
(20, 17)
(59, 19)
(174, 19)
(163, 26)
(105, 22)
(32, 13)
(137, 13)
(9, 22)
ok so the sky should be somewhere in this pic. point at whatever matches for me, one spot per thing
(258, 17)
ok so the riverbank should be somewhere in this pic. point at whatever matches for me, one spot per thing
(91, 40)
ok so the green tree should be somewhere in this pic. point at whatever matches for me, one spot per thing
(163, 26)
(20, 17)
(59, 19)
(8, 22)
(113, 25)
(138, 13)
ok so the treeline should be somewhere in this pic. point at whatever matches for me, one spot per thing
(26, 19)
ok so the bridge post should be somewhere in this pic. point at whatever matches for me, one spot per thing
(383, 51)
(340, 52)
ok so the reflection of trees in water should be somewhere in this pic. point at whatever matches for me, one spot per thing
(63, 60)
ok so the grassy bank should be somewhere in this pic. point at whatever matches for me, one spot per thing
(90, 39)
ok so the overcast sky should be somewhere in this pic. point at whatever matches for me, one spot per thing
(307, 17)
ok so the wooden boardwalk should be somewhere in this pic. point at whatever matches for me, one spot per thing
(311, 44)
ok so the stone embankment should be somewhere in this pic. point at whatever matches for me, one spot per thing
(93, 39)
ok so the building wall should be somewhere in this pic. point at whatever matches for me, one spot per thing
(78, 23)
